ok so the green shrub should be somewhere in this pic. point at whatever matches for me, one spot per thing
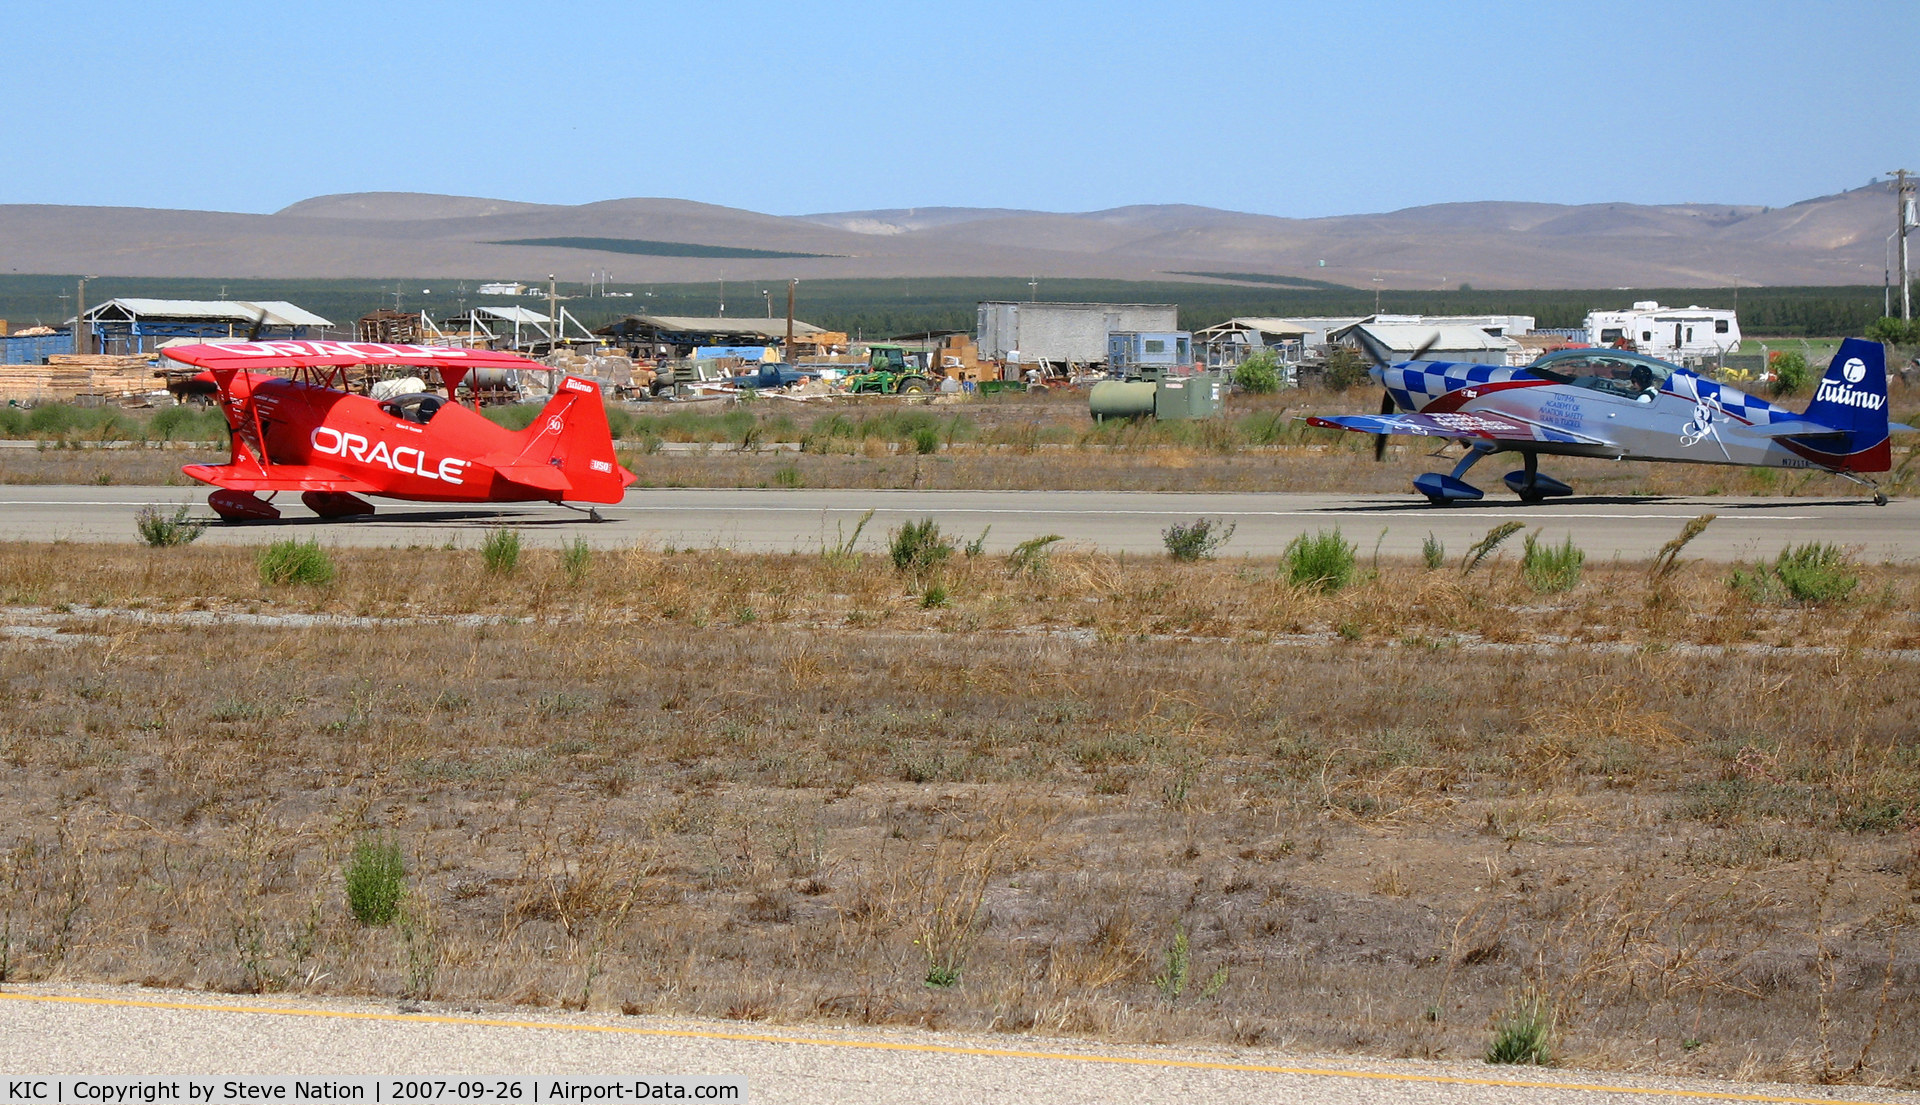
(1323, 561)
(1523, 1033)
(1893, 331)
(187, 424)
(918, 547)
(165, 531)
(1813, 573)
(1791, 376)
(934, 597)
(1551, 569)
(376, 878)
(1433, 553)
(500, 552)
(1258, 374)
(1198, 541)
(289, 562)
(1345, 369)
(926, 440)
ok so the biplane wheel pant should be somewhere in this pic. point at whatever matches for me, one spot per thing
(242, 506)
(335, 504)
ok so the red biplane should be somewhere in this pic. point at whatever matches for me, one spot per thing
(294, 427)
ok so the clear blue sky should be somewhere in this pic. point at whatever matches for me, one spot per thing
(789, 108)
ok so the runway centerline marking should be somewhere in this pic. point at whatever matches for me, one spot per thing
(927, 1049)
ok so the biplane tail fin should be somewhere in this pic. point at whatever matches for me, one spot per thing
(570, 438)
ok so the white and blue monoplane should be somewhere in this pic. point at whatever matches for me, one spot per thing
(1627, 406)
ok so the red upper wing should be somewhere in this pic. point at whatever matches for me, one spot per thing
(274, 356)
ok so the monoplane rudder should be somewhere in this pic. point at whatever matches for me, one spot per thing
(1852, 397)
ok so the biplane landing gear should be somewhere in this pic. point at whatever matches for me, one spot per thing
(336, 504)
(241, 506)
(1441, 490)
(1531, 486)
(592, 513)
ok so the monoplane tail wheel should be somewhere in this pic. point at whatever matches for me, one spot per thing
(1879, 498)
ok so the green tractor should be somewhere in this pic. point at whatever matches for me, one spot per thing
(891, 371)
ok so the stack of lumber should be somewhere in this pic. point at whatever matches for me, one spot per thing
(40, 383)
(108, 374)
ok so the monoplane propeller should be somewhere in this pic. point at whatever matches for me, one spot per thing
(1387, 405)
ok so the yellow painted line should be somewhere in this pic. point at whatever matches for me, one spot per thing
(933, 1049)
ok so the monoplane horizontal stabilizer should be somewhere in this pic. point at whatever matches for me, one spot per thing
(1458, 425)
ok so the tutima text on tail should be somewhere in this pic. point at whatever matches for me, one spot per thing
(294, 426)
(1622, 405)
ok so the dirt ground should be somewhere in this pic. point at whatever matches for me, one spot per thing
(1136, 800)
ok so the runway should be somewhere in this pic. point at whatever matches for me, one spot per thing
(102, 1031)
(1116, 522)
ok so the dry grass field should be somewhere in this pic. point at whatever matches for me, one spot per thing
(1132, 799)
(1019, 442)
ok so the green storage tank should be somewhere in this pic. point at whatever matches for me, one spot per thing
(1122, 399)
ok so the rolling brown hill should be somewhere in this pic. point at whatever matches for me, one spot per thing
(1837, 239)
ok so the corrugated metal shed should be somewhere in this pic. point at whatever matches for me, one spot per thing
(769, 327)
(278, 312)
(1397, 341)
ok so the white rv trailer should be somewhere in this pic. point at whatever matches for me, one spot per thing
(1680, 334)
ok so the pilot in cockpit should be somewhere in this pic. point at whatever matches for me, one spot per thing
(1643, 385)
(418, 409)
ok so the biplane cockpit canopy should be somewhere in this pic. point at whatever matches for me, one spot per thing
(418, 408)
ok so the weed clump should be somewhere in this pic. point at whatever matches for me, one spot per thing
(1433, 553)
(163, 531)
(376, 876)
(576, 557)
(500, 552)
(1033, 558)
(285, 563)
(1199, 541)
(1485, 547)
(918, 547)
(1523, 1032)
(1551, 569)
(1815, 573)
(1323, 561)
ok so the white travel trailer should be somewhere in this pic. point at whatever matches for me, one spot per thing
(1684, 335)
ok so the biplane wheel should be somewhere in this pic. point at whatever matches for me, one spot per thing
(241, 506)
(336, 504)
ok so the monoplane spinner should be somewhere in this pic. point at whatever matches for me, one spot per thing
(294, 427)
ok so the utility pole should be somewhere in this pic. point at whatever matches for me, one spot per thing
(1903, 189)
(787, 350)
(83, 341)
(553, 314)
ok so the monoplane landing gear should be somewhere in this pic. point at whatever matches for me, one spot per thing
(1879, 496)
(1441, 490)
(336, 504)
(242, 506)
(1531, 486)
